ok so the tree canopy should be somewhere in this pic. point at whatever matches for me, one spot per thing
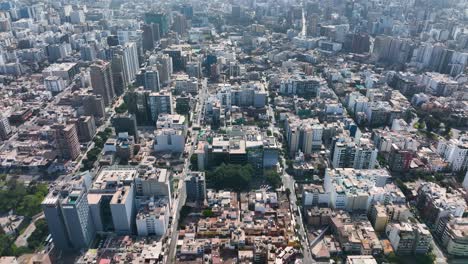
(231, 176)
(25, 201)
(273, 178)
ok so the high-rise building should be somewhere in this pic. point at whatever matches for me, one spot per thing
(94, 105)
(400, 159)
(148, 37)
(122, 209)
(360, 43)
(187, 10)
(151, 79)
(125, 123)
(165, 69)
(67, 214)
(130, 66)
(179, 24)
(5, 128)
(87, 52)
(66, 140)
(112, 40)
(112, 200)
(179, 56)
(101, 81)
(160, 19)
(195, 186)
(118, 74)
(159, 103)
(137, 102)
(193, 69)
(465, 181)
(304, 135)
(86, 128)
(352, 155)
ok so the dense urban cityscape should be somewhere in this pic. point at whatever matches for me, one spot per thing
(251, 131)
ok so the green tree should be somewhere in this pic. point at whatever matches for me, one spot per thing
(194, 162)
(273, 178)
(25, 201)
(122, 108)
(5, 244)
(37, 237)
(207, 213)
(98, 142)
(93, 154)
(235, 177)
(30, 205)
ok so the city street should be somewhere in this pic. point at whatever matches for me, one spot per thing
(288, 183)
(180, 194)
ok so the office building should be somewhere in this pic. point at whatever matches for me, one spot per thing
(179, 23)
(67, 214)
(137, 103)
(111, 199)
(102, 82)
(159, 103)
(5, 128)
(129, 53)
(158, 18)
(151, 79)
(119, 78)
(169, 140)
(152, 181)
(55, 84)
(93, 105)
(164, 65)
(195, 186)
(125, 123)
(148, 37)
(88, 52)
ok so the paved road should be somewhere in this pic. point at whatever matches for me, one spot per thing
(440, 257)
(22, 240)
(179, 200)
(288, 182)
(110, 112)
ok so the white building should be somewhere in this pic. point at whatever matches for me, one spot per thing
(171, 121)
(153, 217)
(152, 181)
(454, 151)
(315, 195)
(122, 209)
(351, 189)
(169, 139)
(465, 181)
(352, 155)
(54, 84)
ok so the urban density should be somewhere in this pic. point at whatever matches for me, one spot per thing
(234, 132)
